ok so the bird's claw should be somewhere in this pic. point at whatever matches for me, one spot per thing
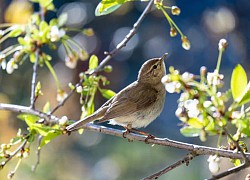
(149, 137)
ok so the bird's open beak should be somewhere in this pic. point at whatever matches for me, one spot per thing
(164, 56)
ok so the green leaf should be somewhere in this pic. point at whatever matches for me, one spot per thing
(245, 98)
(236, 162)
(93, 62)
(38, 88)
(16, 32)
(43, 26)
(16, 140)
(195, 122)
(28, 118)
(32, 58)
(50, 135)
(107, 93)
(46, 107)
(62, 19)
(190, 131)
(238, 81)
(104, 9)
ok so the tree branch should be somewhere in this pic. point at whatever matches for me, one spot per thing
(28, 110)
(198, 150)
(15, 152)
(33, 81)
(230, 171)
(122, 44)
(185, 160)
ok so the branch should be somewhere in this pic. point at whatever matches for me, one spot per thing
(122, 44)
(15, 152)
(236, 143)
(196, 149)
(28, 110)
(185, 160)
(33, 81)
(38, 153)
(230, 171)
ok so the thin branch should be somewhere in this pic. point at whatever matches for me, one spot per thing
(122, 44)
(185, 160)
(67, 97)
(33, 81)
(38, 153)
(15, 152)
(28, 110)
(237, 144)
(198, 150)
(230, 171)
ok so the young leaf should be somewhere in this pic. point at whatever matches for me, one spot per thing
(51, 135)
(93, 62)
(104, 9)
(62, 19)
(28, 118)
(190, 131)
(108, 6)
(46, 107)
(194, 122)
(238, 81)
(245, 97)
(107, 93)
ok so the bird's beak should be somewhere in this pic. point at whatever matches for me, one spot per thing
(164, 56)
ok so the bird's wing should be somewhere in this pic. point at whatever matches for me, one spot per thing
(127, 102)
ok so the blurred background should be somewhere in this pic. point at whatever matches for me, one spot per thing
(94, 156)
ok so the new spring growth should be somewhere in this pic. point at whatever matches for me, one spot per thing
(222, 44)
(185, 43)
(175, 10)
(173, 32)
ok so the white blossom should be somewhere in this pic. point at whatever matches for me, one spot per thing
(192, 108)
(214, 163)
(56, 33)
(11, 66)
(63, 120)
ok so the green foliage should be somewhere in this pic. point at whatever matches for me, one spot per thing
(238, 81)
(93, 62)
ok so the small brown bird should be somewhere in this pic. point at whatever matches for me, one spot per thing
(135, 106)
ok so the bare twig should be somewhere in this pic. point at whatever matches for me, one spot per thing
(122, 44)
(230, 171)
(236, 143)
(28, 110)
(33, 81)
(198, 150)
(15, 152)
(38, 153)
(185, 160)
(67, 97)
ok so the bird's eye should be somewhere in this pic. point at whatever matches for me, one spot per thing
(155, 66)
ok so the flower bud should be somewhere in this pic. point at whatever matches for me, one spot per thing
(108, 69)
(175, 10)
(223, 44)
(63, 120)
(185, 43)
(173, 32)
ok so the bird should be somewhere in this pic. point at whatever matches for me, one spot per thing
(135, 106)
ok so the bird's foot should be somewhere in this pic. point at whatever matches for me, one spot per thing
(149, 136)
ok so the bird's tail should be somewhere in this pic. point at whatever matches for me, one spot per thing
(79, 124)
